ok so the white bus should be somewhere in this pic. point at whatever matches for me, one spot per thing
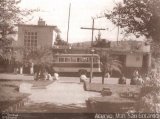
(80, 63)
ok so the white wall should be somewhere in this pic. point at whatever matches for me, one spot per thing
(134, 60)
(45, 35)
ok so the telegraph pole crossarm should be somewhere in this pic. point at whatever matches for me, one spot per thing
(92, 30)
(91, 72)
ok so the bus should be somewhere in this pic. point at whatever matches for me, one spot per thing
(76, 63)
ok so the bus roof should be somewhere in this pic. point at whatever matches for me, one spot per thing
(76, 55)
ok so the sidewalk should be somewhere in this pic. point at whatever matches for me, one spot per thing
(11, 76)
(110, 80)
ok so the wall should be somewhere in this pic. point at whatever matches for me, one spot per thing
(45, 35)
(134, 60)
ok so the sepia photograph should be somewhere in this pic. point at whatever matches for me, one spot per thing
(79, 59)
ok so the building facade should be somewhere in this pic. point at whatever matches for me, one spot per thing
(33, 38)
(36, 36)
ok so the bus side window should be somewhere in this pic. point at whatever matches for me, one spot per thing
(95, 59)
(84, 59)
(67, 59)
(89, 59)
(61, 59)
(73, 59)
(78, 59)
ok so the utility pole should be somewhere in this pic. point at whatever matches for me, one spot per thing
(118, 34)
(91, 72)
(92, 30)
(118, 25)
(68, 21)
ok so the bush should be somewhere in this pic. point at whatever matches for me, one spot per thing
(149, 95)
(106, 92)
(122, 80)
(129, 95)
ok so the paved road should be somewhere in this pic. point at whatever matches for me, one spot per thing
(61, 96)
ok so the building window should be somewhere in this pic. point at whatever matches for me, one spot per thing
(30, 40)
(61, 60)
(67, 59)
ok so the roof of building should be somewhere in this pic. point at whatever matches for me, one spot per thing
(31, 25)
(76, 55)
(106, 50)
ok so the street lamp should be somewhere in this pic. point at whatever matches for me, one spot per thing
(91, 72)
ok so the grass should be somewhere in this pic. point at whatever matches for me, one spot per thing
(9, 93)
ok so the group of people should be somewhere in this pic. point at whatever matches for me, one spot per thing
(42, 76)
(46, 76)
(41, 73)
(135, 80)
(122, 80)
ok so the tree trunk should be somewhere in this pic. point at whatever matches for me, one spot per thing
(38, 71)
(103, 78)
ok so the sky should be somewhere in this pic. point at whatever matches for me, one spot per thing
(55, 12)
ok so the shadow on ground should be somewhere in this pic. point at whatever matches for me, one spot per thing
(53, 108)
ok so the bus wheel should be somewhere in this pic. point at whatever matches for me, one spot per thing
(82, 72)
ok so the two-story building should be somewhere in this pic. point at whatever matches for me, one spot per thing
(34, 37)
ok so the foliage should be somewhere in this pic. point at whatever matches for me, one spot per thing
(155, 62)
(42, 59)
(10, 14)
(40, 56)
(102, 43)
(149, 95)
(140, 17)
(109, 64)
(59, 41)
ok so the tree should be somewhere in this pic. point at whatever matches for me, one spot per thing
(10, 14)
(59, 41)
(139, 17)
(149, 95)
(109, 64)
(42, 59)
(102, 43)
(155, 62)
(40, 56)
